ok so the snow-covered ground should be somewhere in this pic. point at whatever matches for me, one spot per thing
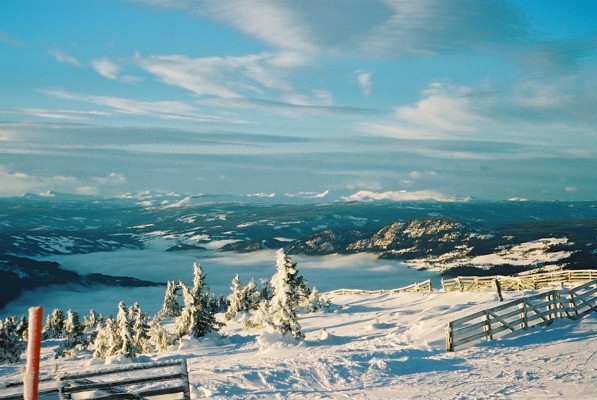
(384, 346)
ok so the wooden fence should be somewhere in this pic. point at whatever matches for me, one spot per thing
(424, 286)
(539, 309)
(124, 382)
(522, 282)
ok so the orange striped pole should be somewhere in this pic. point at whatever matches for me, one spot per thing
(31, 378)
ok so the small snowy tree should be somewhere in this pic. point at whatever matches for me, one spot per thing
(75, 339)
(222, 304)
(285, 300)
(92, 322)
(23, 328)
(196, 319)
(237, 298)
(11, 346)
(140, 329)
(171, 308)
(107, 340)
(159, 337)
(314, 302)
(124, 325)
(54, 327)
(253, 295)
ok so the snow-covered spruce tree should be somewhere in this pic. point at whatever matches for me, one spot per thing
(212, 303)
(196, 319)
(74, 336)
(171, 308)
(237, 299)
(124, 328)
(159, 338)
(23, 328)
(92, 322)
(222, 303)
(253, 295)
(140, 329)
(107, 340)
(285, 300)
(54, 327)
(11, 346)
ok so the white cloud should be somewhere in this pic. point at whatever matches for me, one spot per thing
(364, 81)
(403, 195)
(64, 58)
(16, 183)
(161, 109)
(61, 114)
(444, 108)
(109, 69)
(225, 77)
(385, 28)
(106, 68)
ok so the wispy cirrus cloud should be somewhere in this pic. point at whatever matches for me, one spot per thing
(225, 77)
(57, 114)
(160, 109)
(10, 41)
(64, 58)
(392, 28)
(109, 69)
(302, 105)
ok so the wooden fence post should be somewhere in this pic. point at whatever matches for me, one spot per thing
(487, 326)
(31, 377)
(449, 337)
(523, 315)
(498, 289)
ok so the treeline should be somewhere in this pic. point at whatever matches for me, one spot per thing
(132, 332)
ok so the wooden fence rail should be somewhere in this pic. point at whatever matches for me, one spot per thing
(424, 286)
(523, 313)
(522, 282)
(124, 382)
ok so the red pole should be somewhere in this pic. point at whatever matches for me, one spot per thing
(31, 378)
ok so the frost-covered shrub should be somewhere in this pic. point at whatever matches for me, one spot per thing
(314, 302)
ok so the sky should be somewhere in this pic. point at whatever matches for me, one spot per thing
(379, 99)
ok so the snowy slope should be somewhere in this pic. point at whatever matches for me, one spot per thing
(383, 346)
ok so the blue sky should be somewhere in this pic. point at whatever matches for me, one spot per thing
(410, 99)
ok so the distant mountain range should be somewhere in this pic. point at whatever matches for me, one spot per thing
(456, 238)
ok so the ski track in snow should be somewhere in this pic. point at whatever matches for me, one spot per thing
(384, 346)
